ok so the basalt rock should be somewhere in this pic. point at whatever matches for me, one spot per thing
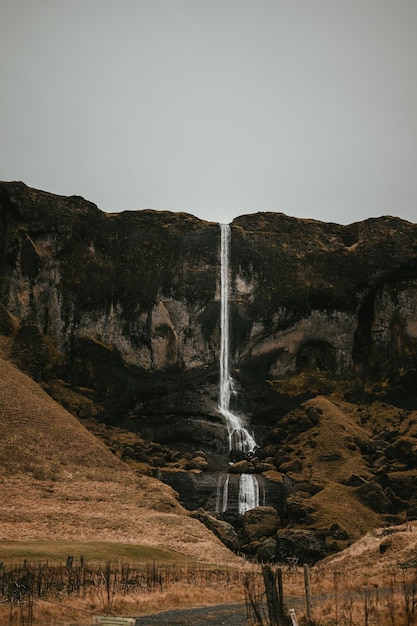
(304, 546)
(299, 506)
(118, 316)
(260, 522)
(266, 552)
(224, 531)
(375, 497)
(145, 284)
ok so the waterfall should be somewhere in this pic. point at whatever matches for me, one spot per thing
(248, 493)
(222, 493)
(239, 438)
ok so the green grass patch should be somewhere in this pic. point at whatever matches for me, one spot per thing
(58, 551)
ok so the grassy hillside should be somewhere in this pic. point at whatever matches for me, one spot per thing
(60, 483)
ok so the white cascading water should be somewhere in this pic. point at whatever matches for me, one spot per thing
(222, 493)
(239, 438)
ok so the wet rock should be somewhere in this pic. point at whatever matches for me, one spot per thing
(242, 467)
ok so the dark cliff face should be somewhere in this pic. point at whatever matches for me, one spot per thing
(310, 294)
(143, 282)
(118, 315)
(112, 299)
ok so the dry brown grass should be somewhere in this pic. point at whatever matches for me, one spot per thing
(63, 492)
(59, 482)
(335, 434)
(360, 586)
(366, 557)
(116, 588)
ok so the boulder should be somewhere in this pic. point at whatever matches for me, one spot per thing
(373, 495)
(294, 465)
(262, 521)
(267, 550)
(224, 531)
(338, 532)
(299, 505)
(158, 460)
(128, 453)
(355, 481)
(403, 484)
(263, 466)
(305, 545)
(197, 462)
(251, 548)
(405, 450)
(242, 467)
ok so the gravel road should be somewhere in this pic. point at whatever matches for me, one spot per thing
(220, 615)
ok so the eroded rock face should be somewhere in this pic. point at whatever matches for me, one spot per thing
(124, 310)
(305, 294)
(143, 282)
(324, 296)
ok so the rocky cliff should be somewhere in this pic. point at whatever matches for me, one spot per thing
(117, 315)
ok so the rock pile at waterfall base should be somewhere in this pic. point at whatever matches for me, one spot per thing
(343, 465)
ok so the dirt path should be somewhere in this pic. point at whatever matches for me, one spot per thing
(220, 615)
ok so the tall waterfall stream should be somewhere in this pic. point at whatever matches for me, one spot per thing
(239, 438)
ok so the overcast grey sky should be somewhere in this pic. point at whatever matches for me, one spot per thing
(214, 107)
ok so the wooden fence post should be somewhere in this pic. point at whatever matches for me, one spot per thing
(271, 594)
(308, 595)
(278, 615)
(280, 591)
